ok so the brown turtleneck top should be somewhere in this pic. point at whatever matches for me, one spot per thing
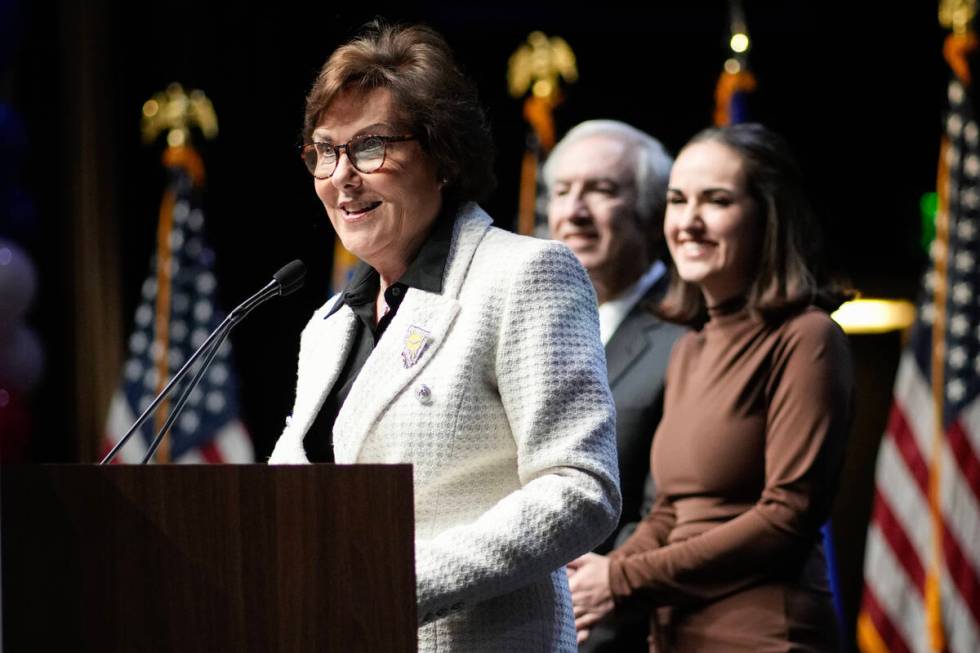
(746, 460)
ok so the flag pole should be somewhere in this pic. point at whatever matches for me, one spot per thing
(957, 47)
(537, 67)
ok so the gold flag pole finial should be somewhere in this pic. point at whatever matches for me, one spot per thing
(957, 15)
(175, 112)
(538, 66)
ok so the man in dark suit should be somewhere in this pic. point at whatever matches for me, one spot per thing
(607, 185)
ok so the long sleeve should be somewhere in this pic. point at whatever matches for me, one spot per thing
(806, 408)
(651, 532)
(549, 370)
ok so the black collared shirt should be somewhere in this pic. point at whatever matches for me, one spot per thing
(424, 273)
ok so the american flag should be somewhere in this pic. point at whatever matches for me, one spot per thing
(922, 557)
(176, 313)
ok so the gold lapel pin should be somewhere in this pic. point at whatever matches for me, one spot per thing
(416, 342)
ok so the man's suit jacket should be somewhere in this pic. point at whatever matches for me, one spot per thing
(495, 391)
(637, 356)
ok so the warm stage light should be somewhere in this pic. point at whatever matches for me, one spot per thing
(150, 108)
(874, 315)
(739, 42)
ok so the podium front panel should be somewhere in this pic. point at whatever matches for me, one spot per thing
(208, 558)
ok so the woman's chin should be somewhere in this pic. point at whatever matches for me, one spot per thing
(695, 274)
(357, 235)
(356, 244)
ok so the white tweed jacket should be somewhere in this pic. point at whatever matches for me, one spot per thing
(507, 419)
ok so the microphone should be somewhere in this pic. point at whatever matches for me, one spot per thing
(286, 281)
(290, 277)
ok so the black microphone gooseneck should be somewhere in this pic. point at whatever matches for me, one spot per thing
(284, 282)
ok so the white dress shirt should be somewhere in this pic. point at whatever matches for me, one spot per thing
(613, 312)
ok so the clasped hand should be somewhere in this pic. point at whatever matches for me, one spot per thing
(588, 578)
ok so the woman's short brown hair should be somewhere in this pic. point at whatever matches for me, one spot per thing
(788, 276)
(438, 102)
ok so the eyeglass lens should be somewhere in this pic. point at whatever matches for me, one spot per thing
(366, 154)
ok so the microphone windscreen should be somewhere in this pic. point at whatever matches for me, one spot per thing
(290, 277)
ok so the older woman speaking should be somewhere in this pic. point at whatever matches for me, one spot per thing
(467, 351)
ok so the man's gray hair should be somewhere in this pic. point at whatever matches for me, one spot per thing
(651, 163)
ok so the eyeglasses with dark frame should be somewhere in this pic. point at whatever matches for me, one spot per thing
(365, 152)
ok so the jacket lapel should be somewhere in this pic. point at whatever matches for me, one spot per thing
(412, 339)
(321, 365)
(628, 342)
(400, 356)
(635, 335)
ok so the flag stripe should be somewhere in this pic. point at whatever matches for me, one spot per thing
(902, 435)
(883, 625)
(960, 622)
(962, 573)
(211, 453)
(894, 593)
(912, 393)
(965, 458)
(906, 500)
(120, 418)
(960, 503)
(233, 443)
(868, 638)
(899, 542)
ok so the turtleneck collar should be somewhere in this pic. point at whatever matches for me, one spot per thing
(727, 312)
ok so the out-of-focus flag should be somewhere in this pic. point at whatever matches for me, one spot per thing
(922, 557)
(731, 94)
(736, 82)
(175, 316)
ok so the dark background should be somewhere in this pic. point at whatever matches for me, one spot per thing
(859, 97)
(860, 103)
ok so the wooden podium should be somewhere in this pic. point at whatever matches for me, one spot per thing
(207, 558)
